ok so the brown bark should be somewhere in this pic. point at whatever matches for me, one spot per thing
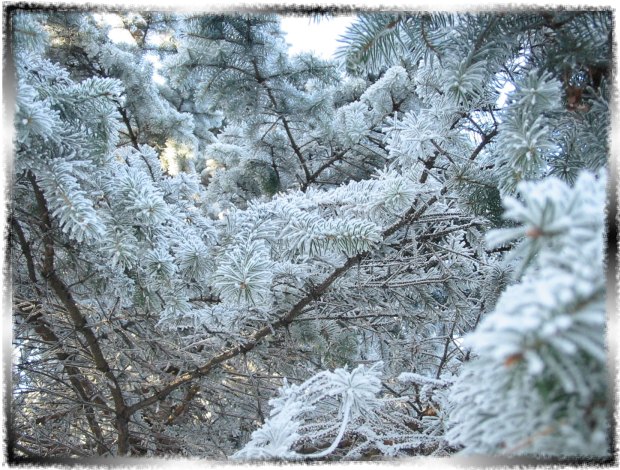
(80, 324)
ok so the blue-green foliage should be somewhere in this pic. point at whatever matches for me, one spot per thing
(542, 358)
(183, 247)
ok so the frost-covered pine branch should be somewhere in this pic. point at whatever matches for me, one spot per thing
(541, 359)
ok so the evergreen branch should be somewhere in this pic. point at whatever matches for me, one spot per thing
(178, 410)
(25, 247)
(255, 338)
(78, 381)
(262, 81)
(130, 133)
(430, 236)
(428, 166)
(312, 178)
(485, 140)
(80, 323)
(408, 283)
(427, 40)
